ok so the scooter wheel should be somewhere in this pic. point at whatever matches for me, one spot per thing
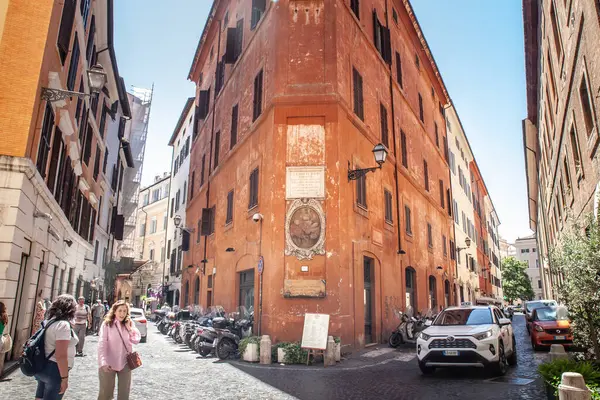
(205, 352)
(224, 349)
(395, 339)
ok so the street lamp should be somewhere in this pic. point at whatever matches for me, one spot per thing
(467, 245)
(97, 78)
(380, 153)
(177, 221)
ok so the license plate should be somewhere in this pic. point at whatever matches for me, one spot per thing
(450, 352)
(560, 337)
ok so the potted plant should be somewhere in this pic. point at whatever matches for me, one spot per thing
(338, 348)
(289, 353)
(552, 372)
(249, 348)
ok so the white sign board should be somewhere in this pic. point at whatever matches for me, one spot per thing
(316, 330)
(305, 183)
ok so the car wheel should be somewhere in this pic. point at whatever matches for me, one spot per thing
(535, 346)
(395, 339)
(501, 367)
(425, 369)
(143, 340)
(512, 360)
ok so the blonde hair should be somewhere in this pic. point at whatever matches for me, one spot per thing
(110, 317)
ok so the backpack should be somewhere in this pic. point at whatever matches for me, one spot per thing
(33, 360)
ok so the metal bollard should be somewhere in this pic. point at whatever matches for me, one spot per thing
(557, 351)
(572, 387)
(265, 349)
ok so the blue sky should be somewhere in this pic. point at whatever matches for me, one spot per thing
(478, 46)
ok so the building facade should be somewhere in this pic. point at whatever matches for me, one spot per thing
(526, 251)
(181, 141)
(150, 248)
(507, 249)
(55, 153)
(475, 221)
(560, 132)
(279, 124)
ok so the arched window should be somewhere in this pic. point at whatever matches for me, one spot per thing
(197, 291)
(186, 298)
(411, 288)
(446, 293)
(432, 292)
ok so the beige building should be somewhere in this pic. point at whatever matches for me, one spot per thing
(151, 236)
(61, 154)
(560, 132)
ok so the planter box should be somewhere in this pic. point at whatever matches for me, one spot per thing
(338, 352)
(281, 356)
(251, 353)
(550, 392)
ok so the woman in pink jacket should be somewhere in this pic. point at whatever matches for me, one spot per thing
(117, 335)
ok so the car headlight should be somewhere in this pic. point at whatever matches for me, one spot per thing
(483, 335)
(538, 328)
(424, 336)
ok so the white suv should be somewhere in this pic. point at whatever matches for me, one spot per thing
(471, 336)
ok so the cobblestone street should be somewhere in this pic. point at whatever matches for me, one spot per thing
(169, 371)
(172, 371)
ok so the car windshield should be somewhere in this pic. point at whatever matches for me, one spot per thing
(467, 316)
(537, 304)
(551, 314)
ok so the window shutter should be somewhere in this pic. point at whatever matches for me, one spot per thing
(231, 46)
(213, 217)
(97, 163)
(57, 146)
(90, 42)
(239, 38)
(87, 153)
(203, 104)
(398, 69)
(386, 44)
(258, 8)
(217, 149)
(377, 32)
(202, 170)
(234, 126)
(384, 124)
(229, 207)
(74, 65)
(205, 231)
(354, 5)
(258, 93)
(66, 28)
(185, 240)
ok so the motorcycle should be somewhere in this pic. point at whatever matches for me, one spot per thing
(409, 327)
(206, 338)
(231, 330)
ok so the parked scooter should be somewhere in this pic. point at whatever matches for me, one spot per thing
(409, 327)
(231, 330)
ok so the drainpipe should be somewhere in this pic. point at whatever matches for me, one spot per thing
(393, 115)
(210, 157)
(164, 262)
(260, 280)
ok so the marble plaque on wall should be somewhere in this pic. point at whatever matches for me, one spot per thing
(305, 183)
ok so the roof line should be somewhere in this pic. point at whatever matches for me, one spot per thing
(203, 37)
(182, 118)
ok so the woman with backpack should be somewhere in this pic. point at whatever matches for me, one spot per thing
(59, 346)
(117, 336)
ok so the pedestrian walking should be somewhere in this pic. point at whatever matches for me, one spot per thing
(40, 313)
(83, 319)
(5, 339)
(98, 312)
(106, 307)
(118, 334)
(59, 345)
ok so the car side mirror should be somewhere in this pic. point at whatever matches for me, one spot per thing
(503, 321)
(428, 322)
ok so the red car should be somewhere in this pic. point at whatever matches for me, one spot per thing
(550, 325)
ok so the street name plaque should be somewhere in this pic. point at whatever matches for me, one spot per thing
(305, 183)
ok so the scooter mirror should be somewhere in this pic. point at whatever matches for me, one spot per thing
(428, 322)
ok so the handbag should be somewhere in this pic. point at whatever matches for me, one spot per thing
(133, 359)
(6, 343)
